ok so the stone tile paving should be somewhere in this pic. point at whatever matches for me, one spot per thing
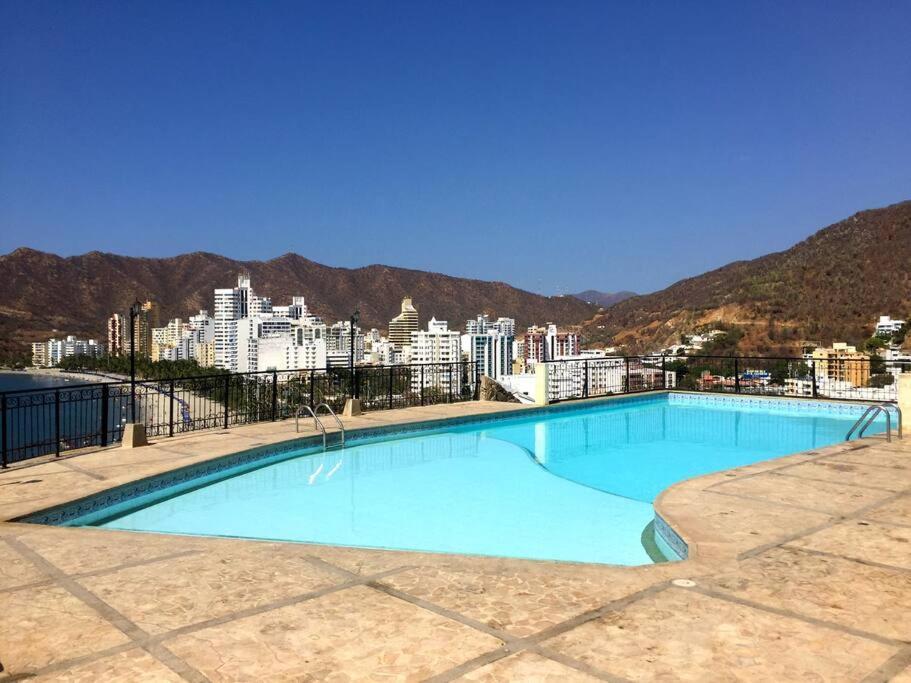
(800, 569)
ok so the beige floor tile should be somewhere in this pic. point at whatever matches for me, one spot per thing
(733, 524)
(76, 550)
(133, 665)
(353, 635)
(41, 626)
(683, 635)
(520, 602)
(851, 473)
(826, 497)
(362, 561)
(881, 457)
(195, 588)
(897, 511)
(526, 666)
(854, 595)
(863, 540)
(16, 570)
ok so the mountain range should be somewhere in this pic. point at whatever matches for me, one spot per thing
(44, 294)
(604, 299)
(829, 287)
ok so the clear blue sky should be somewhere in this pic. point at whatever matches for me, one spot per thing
(556, 146)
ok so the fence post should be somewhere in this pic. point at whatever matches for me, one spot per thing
(736, 375)
(274, 393)
(628, 388)
(5, 436)
(312, 385)
(663, 372)
(391, 380)
(105, 400)
(227, 392)
(585, 380)
(56, 423)
(422, 385)
(449, 383)
(171, 409)
(813, 375)
(357, 383)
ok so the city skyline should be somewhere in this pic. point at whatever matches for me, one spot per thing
(406, 136)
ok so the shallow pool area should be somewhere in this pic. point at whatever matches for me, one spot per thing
(571, 483)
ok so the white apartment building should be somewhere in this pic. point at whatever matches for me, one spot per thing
(296, 311)
(282, 352)
(250, 331)
(51, 352)
(886, 326)
(338, 342)
(438, 345)
(236, 304)
(490, 346)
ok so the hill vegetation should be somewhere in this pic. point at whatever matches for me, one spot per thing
(829, 287)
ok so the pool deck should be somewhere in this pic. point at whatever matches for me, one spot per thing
(799, 569)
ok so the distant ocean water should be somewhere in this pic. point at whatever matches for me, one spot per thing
(15, 381)
(31, 423)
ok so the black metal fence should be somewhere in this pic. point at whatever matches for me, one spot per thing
(40, 422)
(859, 379)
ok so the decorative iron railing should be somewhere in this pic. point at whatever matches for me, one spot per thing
(41, 422)
(866, 379)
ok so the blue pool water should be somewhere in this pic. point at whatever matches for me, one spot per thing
(574, 484)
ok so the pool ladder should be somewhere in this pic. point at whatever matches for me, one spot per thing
(317, 423)
(870, 414)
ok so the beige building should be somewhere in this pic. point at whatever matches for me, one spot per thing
(39, 354)
(402, 325)
(116, 328)
(205, 354)
(145, 321)
(842, 363)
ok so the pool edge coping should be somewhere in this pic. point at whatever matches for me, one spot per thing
(673, 533)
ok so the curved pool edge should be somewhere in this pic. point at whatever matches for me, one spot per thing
(673, 531)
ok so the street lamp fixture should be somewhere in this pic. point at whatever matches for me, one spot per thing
(135, 310)
(355, 318)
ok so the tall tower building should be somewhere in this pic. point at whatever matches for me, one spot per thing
(402, 325)
(230, 306)
(145, 320)
(116, 330)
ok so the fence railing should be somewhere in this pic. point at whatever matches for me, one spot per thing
(859, 379)
(37, 422)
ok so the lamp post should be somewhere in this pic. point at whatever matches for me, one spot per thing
(135, 310)
(355, 318)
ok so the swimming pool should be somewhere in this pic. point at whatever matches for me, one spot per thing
(571, 483)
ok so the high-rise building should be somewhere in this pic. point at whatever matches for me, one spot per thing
(145, 320)
(490, 346)
(546, 343)
(230, 306)
(115, 331)
(57, 349)
(402, 326)
(440, 346)
(39, 354)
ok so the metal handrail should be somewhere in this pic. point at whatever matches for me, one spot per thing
(316, 421)
(898, 415)
(337, 421)
(868, 417)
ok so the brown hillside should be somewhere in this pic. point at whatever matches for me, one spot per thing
(43, 292)
(828, 287)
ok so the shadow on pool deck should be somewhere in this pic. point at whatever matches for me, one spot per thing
(800, 567)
